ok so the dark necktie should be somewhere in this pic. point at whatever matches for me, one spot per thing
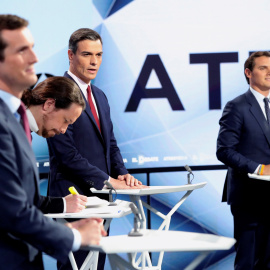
(92, 106)
(24, 120)
(267, 111)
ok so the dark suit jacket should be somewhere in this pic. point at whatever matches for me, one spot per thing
(51, 205)
(243, 143)
(83, 157)
(24, 230)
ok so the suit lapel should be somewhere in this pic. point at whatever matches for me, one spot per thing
(20, 136)
(102, 118)
(88, 109)
(256, 110)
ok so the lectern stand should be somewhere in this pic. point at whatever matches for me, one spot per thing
(160, 241)
(135, 196)
(108, 213)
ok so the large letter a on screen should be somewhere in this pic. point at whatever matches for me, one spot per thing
(153, 62)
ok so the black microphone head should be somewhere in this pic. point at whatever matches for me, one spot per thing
(108, 184)
(188, 168)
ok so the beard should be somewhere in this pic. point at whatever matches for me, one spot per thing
(47, 133)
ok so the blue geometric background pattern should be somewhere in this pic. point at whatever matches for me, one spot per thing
(154, 135)
(108, 7)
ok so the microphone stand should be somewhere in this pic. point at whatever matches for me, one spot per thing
(188, 178)
(189, 173)
(111, 188)
(135, 231)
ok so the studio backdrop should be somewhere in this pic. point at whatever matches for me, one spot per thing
(169, 67)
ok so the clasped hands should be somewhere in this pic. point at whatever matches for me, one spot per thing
(126, 181)
(90, 229)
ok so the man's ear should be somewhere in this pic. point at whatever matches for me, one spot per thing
(248, 72)
(49, 105)
(70, 55)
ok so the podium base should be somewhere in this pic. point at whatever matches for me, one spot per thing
(135, 233)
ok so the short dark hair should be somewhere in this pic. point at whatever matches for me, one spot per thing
(63, 90)
(82, 34)
(9, 22)
(250, 62)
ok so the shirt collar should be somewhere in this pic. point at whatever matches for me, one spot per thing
(258, 95)
(32, 121)
(81, 84)
(11, 101)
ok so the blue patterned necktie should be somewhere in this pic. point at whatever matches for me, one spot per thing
(267, 111)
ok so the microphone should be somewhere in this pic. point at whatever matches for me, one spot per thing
(190, 172)
(110, 186)
(135, 231)
(188, 169)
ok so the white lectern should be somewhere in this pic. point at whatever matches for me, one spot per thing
(135, 197)
(108, 213)
(160, 241)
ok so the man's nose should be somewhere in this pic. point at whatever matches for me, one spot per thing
(63, 130)
(33, 57)
(93, 60)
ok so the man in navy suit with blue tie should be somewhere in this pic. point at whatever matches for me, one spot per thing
(24, 231)
(87, 154)
(243, 144)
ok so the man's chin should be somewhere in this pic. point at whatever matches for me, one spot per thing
(32, 81)
(46, 135)
(50, 135)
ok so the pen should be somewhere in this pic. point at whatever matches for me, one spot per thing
(73, 191)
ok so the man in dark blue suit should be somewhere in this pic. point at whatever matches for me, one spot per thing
(24, 231)
(87, 154)
(243, 144)
(51, 106)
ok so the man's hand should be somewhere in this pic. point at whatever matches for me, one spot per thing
(122, 184)
(266, 170)
(130, 180)
(91, 230)
(75, 203)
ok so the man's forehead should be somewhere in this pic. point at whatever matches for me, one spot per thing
(71, 109)
(18, 37)
(262, 60)
(90, 45)
(70, 114)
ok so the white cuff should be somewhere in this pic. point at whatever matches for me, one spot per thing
(77, 240)
(257, 169)
(65, 205)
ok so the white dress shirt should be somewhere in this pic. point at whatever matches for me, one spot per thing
(11, 101)
(83, 86)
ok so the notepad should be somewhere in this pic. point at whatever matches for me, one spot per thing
(96, 202)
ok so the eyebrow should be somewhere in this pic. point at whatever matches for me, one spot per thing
(21, 48)
(92, 52)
